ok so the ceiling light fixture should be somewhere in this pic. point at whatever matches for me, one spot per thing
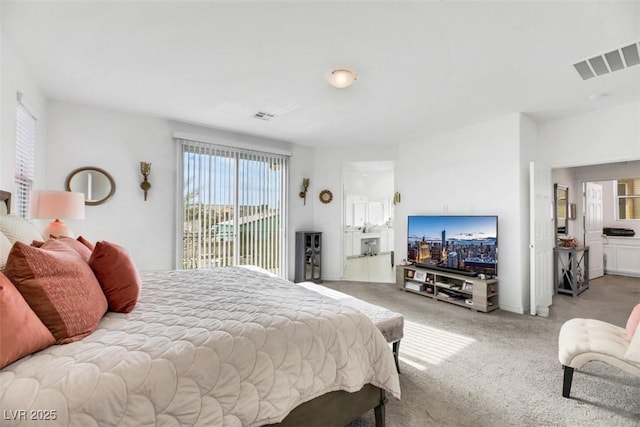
(341, 78)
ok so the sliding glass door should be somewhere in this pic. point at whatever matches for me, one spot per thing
(233, 208)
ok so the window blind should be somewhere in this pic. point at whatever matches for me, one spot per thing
(25, 158)
(233, 207)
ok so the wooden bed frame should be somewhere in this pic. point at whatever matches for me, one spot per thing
(337, 408)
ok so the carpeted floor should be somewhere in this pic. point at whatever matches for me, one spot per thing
(463, 368)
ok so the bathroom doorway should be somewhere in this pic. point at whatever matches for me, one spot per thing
(368, 217)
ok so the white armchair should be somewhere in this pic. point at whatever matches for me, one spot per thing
(585, 340)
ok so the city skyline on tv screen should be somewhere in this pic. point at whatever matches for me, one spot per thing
(468, 243)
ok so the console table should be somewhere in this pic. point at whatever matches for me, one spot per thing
(571, 270)
(464, 291)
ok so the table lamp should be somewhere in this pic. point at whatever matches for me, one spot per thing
(55, 205)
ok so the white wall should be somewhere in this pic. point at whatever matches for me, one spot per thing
(118, 142)
(475, 170)
(16, 78)
(371, 185)
(301, 215)
(602, 136)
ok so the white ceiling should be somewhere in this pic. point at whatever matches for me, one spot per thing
(423, 67)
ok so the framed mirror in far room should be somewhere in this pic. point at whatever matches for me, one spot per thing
(561, 210)
(96, 184)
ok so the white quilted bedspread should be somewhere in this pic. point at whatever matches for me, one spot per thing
(222, 347)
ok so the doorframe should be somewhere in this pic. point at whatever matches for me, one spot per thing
(343, 216)
(541, 233)
(593, 177)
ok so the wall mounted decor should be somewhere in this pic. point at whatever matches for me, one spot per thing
(97, 184)
(305, 187)
(326, 196)
(145, 170)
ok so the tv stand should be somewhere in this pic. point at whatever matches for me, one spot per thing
(447, 270)
(454, 288)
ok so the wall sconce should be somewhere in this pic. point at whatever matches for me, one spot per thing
(305, 186)
(396, 197)
(145, 170)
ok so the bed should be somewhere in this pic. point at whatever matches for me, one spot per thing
(223, 347)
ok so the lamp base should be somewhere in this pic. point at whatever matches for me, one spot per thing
(57, 228)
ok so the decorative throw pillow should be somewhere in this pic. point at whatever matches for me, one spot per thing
(18, 230)
(117, 275)
(5, 247)
(633, 351)
(21, 332)
(85, 242)
(59, 287)
(633, 321)
(81, 249)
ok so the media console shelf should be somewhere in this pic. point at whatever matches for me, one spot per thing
(471, 292)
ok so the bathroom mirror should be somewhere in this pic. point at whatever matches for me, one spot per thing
(561, 209)
(96, 184)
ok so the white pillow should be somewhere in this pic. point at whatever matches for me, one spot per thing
(633, 351)
(5, 247)
(18, 230)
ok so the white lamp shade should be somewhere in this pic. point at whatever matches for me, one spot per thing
(56, 205)
(341, 78)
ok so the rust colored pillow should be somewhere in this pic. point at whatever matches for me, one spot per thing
(87, 243)
(59, 287)
(78, 247)
(21, 332)
(117, 275)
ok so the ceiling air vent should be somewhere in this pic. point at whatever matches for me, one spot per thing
(609, 62)
(262, 115)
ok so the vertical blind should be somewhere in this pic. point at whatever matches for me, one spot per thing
(234, 207)
(25, 158)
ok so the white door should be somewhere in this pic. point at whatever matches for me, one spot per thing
(541, 238)
(593, 228)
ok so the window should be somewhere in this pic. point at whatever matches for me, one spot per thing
(25, 157)
(234, 205)
(628, 198)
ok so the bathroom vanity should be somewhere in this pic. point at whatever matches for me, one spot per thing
(622, 255)
(359, 242)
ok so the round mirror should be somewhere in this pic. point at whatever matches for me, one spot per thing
(326, 196)
(96, 184)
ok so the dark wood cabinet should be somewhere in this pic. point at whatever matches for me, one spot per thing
(308, 256)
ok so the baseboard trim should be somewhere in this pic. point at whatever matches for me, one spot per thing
(517, 310)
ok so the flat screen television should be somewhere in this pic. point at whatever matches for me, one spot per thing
(467, 244)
